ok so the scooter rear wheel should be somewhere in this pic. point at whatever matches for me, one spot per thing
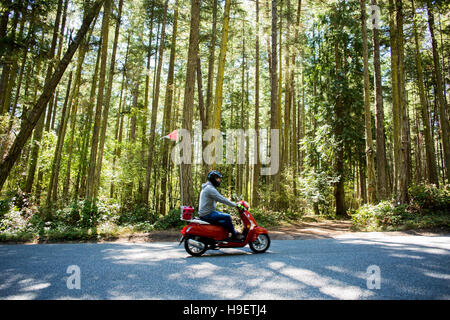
(261, 244)
(195, 249)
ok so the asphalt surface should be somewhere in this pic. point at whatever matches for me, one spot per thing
(410, 267)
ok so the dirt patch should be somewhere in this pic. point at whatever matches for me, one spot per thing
(311, 230)
(155, 236)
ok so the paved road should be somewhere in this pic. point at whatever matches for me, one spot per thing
(411, 267)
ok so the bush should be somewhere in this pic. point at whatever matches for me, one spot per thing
(138, 215)
(268, 218)
(372, 215)
(13, 221)
(17, 214)
(430, 197)
(5, 206)
(169, 221)
(428, 208)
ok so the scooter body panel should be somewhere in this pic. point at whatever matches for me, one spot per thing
(206, 231)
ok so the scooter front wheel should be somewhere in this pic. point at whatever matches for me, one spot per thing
(195, 246)
(261, 244)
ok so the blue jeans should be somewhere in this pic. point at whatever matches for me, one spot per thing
(223, 219)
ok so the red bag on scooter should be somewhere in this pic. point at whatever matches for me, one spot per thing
(186, 213)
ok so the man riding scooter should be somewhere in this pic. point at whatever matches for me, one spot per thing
(207, 205)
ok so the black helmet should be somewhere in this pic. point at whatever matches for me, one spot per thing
(212, 176)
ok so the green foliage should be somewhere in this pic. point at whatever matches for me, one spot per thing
(374, 216)
(169, 221)
(317, 188)
(5, 205)
(429, 208)
(268, 218)
(430, 197)
(140, 214)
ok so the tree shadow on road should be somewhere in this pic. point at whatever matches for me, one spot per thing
(311, 269)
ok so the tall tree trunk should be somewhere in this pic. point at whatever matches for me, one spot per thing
(339, 194)
(13, 63)
(218, 96)
(189, 91)
(30, 37)
(294, 104)
(91, 185)
(274, 102)
(53, 185)
(80, 185)
(370, 153)
(120, 116)
(155, 109)
(257, 166)
(382, 185)
(112, 68)
(395, 94)
(403, 176)
(429, 145)
(168, 114)
(212, 50)
(144, 143)
(6, 63)
(443, 117)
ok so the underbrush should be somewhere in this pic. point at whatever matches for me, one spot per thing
(22, 220)
(268, 218)
(429, 208)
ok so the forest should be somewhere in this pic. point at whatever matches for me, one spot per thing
(356, 90)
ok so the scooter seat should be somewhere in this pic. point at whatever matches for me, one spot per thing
(199, 221)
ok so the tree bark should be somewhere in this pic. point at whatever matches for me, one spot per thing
(429, 144)
(382, 183)
(443, 117)
(155, 109)
(212, 50)
(403, 172)
(274, 103)
(339, 194)
(91, 185)
(107, 100)
(257, 166)
(53, 186)
(370, 154)
(189, 91)
(168, 114)
(218, 96)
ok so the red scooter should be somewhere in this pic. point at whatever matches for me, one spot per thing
(200, 236)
